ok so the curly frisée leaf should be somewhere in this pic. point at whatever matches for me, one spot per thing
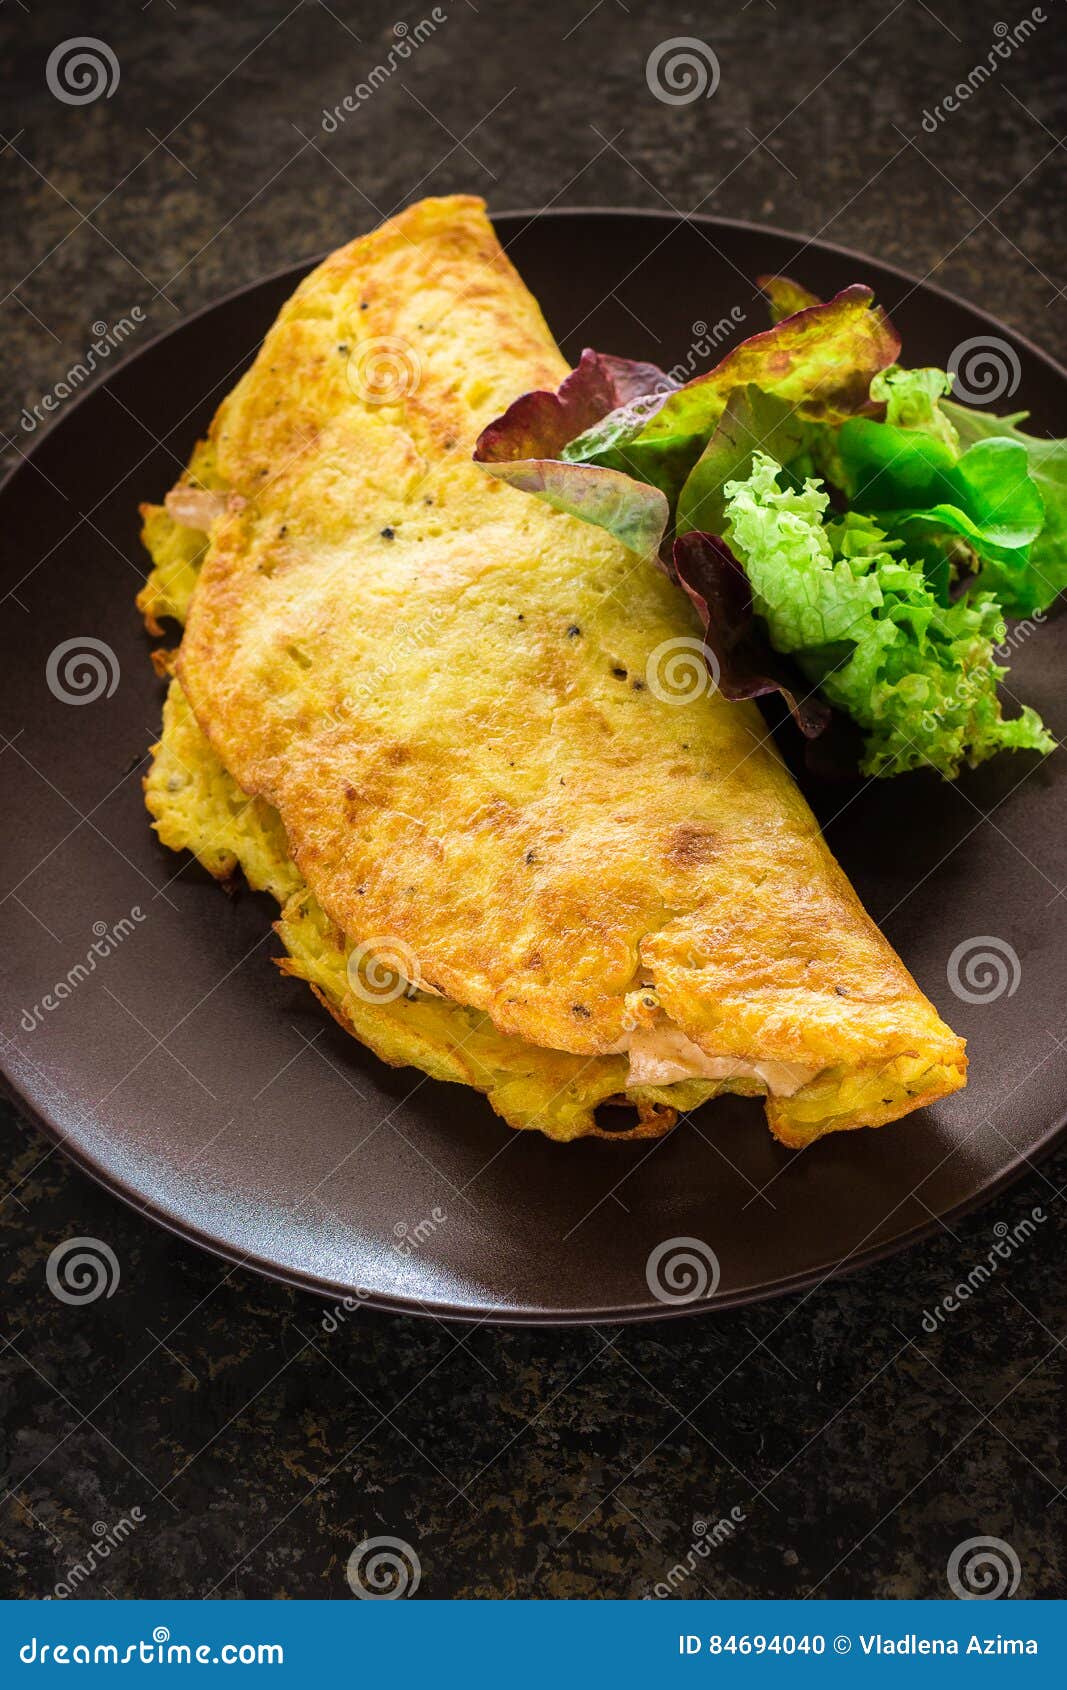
(918, 677)
(911, 399)
(744, 662)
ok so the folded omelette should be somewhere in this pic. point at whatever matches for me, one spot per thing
(420, 709)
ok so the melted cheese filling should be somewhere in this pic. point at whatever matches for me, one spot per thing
(661, 1054)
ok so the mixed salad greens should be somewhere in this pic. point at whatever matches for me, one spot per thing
(850, 536)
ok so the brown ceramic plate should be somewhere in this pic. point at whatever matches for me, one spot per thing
(187, 1075)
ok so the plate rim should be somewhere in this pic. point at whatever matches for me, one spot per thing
(469, 1314)
(636, 1314)
(302, 266)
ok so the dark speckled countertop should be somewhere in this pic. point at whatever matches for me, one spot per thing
(846, 1459)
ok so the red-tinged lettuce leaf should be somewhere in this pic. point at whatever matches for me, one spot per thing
(524, 446)
(618, 443)
(539, 424)
(785, 296)
(631, 512)
(740, 657)
(821, 361)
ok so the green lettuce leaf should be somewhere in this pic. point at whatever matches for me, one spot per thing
(918, 676)
(915, 482)
(752, 421)
(1045, 574)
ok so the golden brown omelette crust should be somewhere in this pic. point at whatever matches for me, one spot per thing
(448, 692)
(197, 806)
